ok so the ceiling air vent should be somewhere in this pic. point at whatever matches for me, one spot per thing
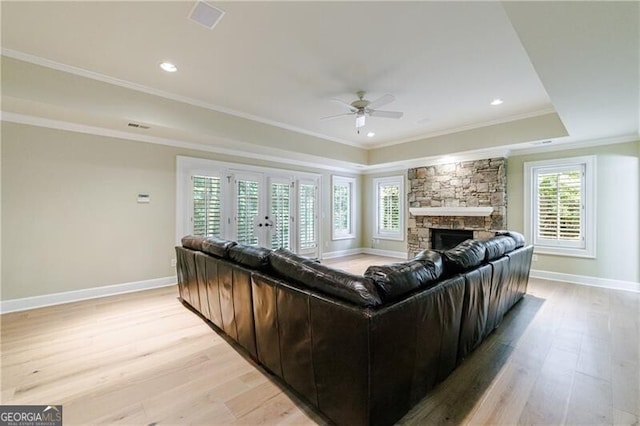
(206, 15)
(541, 142)
(138, 126)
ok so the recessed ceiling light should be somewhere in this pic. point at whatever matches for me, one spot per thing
(497, 102)
(371, 134)
(168, 67)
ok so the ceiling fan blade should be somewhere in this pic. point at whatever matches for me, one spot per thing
(331, 117)
(385, 99)
(351, 108)
(387, 114)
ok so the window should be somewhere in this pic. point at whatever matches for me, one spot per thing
(308, 238)
(280, 215)
(343, 207)
(247, 210)
(206, 206)
(559, 206)
(389, 208)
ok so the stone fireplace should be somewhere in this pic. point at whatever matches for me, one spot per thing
(470, 195)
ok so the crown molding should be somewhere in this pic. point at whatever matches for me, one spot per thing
(48, 63)
(319, 163)
(564, 146)
(310, 161)
(466, 127)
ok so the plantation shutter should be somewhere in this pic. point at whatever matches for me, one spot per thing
(559, 205)
(280, 213)
(247, 204)
(388, 208)
(307, 217)
(341, 209)
(206, 206)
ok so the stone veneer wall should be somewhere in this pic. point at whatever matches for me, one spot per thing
(479, 183)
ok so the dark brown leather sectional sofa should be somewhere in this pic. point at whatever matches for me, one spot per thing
(362, 349)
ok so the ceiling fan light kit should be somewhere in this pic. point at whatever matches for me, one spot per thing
(362, 107)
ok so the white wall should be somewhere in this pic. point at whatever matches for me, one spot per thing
(70, 219)
(617, 215)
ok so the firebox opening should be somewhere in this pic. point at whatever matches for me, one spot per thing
(444, 239)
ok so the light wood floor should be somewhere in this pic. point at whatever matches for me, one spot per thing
(565, 354)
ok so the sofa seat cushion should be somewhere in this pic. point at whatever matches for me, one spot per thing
(193, 242)
(217, 246)
(397, 279)
(250, 256)
(517, 237)
(466, 255)
(350, 287)
(432, 260)
(498, 246)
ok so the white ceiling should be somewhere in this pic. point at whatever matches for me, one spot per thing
(281, 63)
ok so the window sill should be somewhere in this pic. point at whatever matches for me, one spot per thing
(342, 237)
(389, 237)
(553, 251)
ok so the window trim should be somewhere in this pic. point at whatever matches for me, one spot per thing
(377, 183)
(588, 250)
(351, 183)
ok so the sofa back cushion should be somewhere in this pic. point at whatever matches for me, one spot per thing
(217, 246)
(353, 288)
(397, 279)
(432, 260)
(466, 255)
(250, 256)
(193, 242)
(498, 246)
(517, 237)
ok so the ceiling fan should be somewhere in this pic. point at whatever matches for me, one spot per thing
(362, 107)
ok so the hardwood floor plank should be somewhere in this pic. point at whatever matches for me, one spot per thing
(591, 401)
(625, 385)
(565, 354)
(622, 418)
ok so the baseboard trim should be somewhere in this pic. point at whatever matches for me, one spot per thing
(386, 253)
(26, 303)
(587, 280)
(364, 250)
(341, 253)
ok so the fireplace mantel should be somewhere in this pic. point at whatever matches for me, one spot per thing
(451, 211)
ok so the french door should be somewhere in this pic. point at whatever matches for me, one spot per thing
(261, 209)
